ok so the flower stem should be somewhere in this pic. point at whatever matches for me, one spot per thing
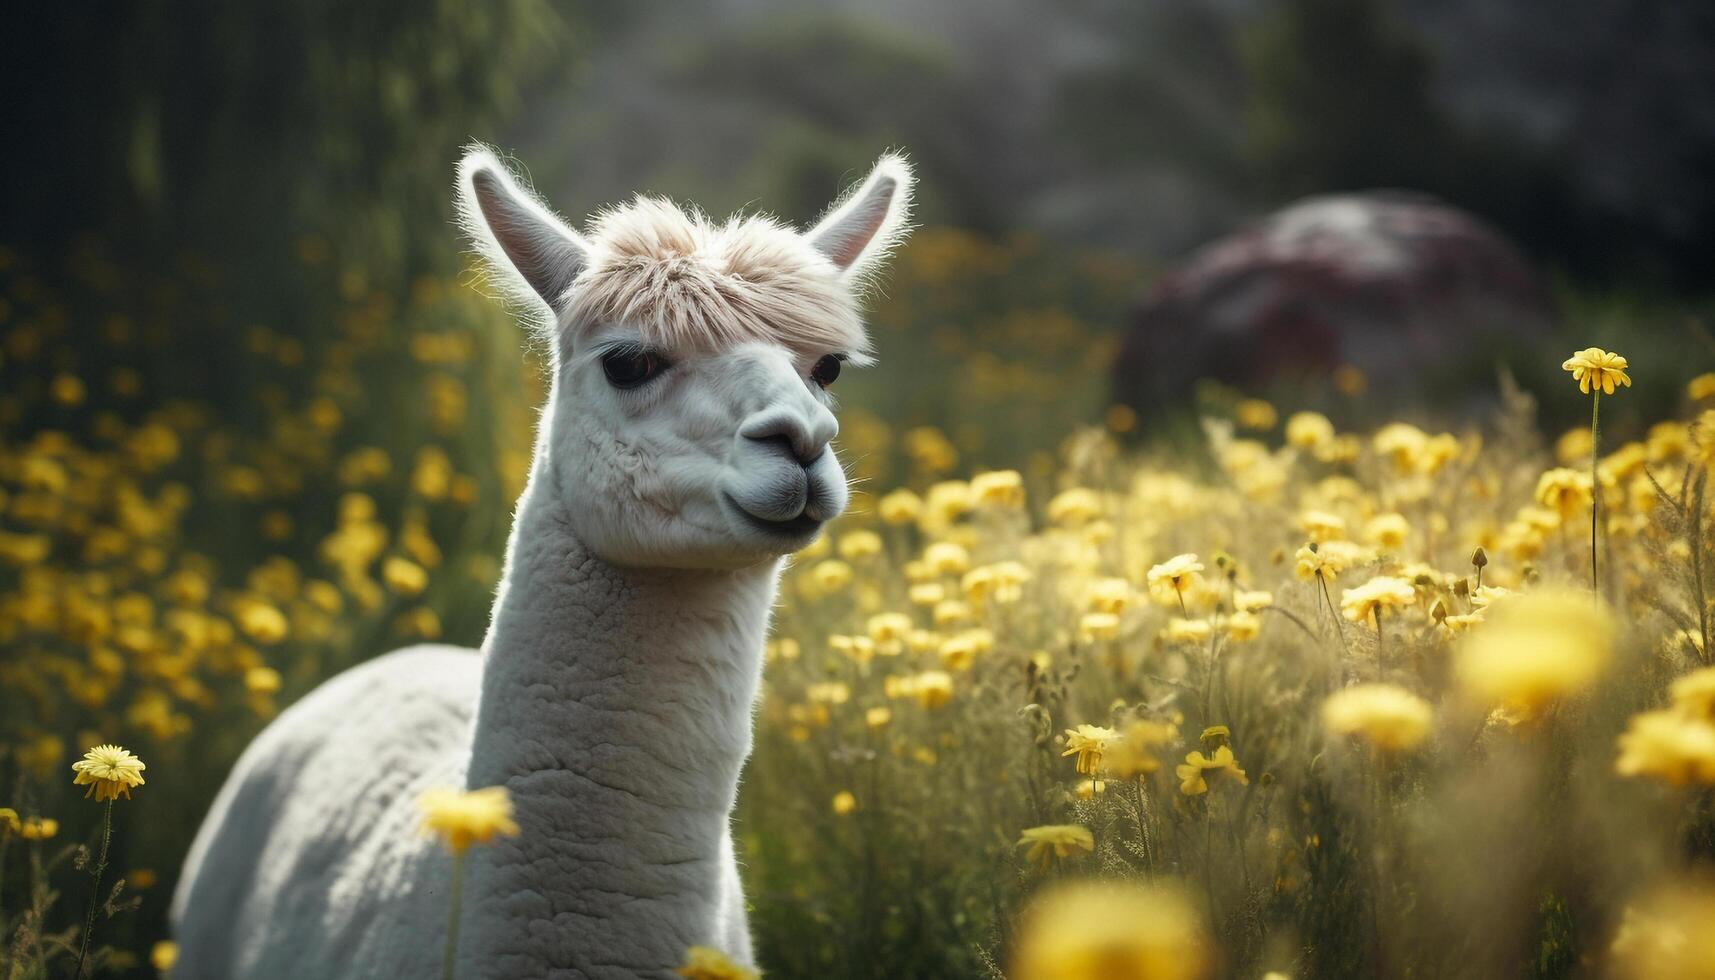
(453, 917)
(1595, 482)
(95, 893)
(1381, 646)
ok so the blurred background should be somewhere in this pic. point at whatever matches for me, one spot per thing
(245, 377)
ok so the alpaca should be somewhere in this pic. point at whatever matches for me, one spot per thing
(682, 453)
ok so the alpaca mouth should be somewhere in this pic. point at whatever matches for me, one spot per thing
(797, 527)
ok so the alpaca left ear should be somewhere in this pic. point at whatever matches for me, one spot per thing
(513, 229)
(864, 225)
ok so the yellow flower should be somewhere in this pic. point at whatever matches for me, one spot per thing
(1596, 368)
(1534, 649)
(1197, 767)
(1252, 601)
(1087, 743)
(946, 558)
(1186, 630)
(1669, 746)
(1089, 789)
(163, 955)
(878, 717)
(1387, 531)
(858, 545)
(404, 577)
(1565, 492)
(1383, 593)
(999, 489)
(832, 575)
(1319, 562)
(1055, 841)
(109, 771)
(8, 820)
(1255, 414)
(38, 828)
(1668, 935)
(1390, 718)
(1242, 626)
(707, 963)
(1074, 507)
(1309, 430)
(262, 622)
(1096, 626)
(932, 688)
(1694, 694)
(1133, 753)
(844, 803)
(1169, 580)
(1701, 387)
(899, 507)
(462, 819)
(1320, 526)
(1110, 930)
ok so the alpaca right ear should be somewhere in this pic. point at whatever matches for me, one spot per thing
(514, 229)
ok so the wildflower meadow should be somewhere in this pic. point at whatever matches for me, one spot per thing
(1061, 696)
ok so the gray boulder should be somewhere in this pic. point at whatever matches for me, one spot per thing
(1401, 286)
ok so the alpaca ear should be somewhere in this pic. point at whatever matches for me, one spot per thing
(513, 229)
(864, 225)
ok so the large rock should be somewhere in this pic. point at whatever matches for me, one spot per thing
(1399, 285)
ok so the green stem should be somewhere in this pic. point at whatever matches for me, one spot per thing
(1595, 482)
(95, 894)
(453, 918)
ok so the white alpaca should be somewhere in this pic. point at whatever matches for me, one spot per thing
(682, 453)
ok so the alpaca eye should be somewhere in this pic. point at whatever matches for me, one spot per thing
(827, 370)
(628, 367)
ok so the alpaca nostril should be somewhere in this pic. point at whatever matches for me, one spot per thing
(788, 434)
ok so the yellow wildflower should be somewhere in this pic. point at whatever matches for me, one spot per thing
(1255, 414)
(1245, 601)
(899, 507)
(1320, 563)
(1134, 752)
(1387, 531)
(1169, 580)
(707, 963)
(1197, 767)
(1390, 718)
(38, 828)
(462, 819)
(946, 558)
(1109, 930)
(1181, 630)
(1669, 746)
(998, 489)
(1535, 649)
(1320, 526)
(932, 688)
(832, 575)
(1564, 492)
(844, 803)
(1074, 507)
(1383, 593)
(858, 545)
(1595, 368)
(163, 955)
(1087, 742)
(404, 576)
(1309, 430)
(109, 771)
(1055, 841)
(1667, 935)
(1701, 387)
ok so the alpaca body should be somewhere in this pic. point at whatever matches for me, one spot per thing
(621, 698)
(682, 452)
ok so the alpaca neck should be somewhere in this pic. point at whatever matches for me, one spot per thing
(616, 707)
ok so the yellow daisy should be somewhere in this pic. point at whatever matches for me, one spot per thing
(109, 771)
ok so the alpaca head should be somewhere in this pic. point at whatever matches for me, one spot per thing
(690, 419)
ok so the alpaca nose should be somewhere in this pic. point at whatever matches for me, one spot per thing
(804, 439)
